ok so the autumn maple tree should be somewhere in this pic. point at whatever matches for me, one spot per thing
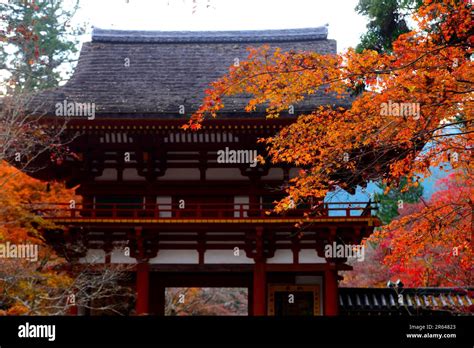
(430, 242)
(44, 285)
(26, 286)
(422, 247)
(430, 67)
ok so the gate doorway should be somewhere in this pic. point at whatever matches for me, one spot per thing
(214, 301)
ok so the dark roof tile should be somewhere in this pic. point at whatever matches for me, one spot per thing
(384, 300)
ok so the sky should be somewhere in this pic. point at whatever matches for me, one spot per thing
(345, 25)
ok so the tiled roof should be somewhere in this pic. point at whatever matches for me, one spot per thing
(405, 301)
(170, 69)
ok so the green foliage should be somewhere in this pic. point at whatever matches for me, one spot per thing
(387, 22)
(35, 61)
(389, 202)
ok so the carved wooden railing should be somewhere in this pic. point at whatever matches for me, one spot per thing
(198, 211)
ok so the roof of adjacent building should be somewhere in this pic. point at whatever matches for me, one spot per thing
(154, 73)
(405, 301)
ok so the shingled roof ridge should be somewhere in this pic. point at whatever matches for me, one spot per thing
(237, 36)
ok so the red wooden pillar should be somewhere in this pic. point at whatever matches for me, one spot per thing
(259, 276)
(143, 276)
(259, 289)
(331, 297)
(143, 286)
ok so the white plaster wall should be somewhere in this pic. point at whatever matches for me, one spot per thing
(164, 202)
(241, 202)
(93, 256)
(226, 257)
(224, 174)
(181, 174)
(274, 174)
(107, 174)
(282, 256)
(118, 256)
(176, 256)
(131, 174)
(310, 256)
